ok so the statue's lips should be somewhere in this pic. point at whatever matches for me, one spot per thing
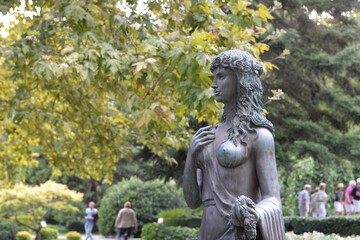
(217, 93)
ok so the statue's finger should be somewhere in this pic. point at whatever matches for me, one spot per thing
(204, 133)
(206, 137)
(202, 129)
(206, 142)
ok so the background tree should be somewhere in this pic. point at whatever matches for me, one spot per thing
(317, 124)
(27, 205)
(86, 81)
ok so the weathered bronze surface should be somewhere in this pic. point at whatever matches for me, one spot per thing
(230, 167)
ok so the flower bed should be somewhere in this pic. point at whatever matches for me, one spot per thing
(317, 236)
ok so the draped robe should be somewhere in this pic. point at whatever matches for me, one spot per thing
(219, 188)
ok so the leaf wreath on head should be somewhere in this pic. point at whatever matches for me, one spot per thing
(236, 59)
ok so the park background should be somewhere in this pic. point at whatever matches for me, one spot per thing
(103, 96)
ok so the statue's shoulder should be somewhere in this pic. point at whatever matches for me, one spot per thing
(263, 136)
(264, 132)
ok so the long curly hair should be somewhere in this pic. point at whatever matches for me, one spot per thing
(249, 111)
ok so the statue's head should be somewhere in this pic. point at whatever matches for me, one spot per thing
(244, 70)
(237, 61)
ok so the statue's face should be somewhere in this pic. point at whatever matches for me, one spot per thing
(224, 85)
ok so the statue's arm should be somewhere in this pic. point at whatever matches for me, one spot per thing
(264, 150)
(268, 209)
(190, 186)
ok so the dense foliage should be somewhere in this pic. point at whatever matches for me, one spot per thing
(28, 205)
(344, 226)
(148, 199)
(153, 231)
(70, 220)
(85, 81)
(8, 229)
(317, 123)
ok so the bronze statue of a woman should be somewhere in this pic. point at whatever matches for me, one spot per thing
(230, 167)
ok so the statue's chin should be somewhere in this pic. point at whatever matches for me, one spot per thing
(218, 99)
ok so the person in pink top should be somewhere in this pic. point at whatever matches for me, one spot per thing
(349, 207)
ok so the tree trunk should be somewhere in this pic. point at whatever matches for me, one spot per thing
(38, 236)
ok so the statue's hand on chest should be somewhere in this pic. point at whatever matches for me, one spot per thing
(201, 138)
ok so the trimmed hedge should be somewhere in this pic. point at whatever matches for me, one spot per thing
(49, 234)
(23, 235)
(182, 217)
(8, 230)
(73, 235)
(154, 231)
(344, 226)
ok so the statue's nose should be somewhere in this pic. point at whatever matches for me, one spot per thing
(214, 85)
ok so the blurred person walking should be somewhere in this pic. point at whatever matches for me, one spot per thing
(91, 215)
(339, 200)
(125, 222)
(322, 199)
(304, 201)
(348, 204)
(314, 206)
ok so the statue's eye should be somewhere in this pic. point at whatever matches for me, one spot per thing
(221, 75)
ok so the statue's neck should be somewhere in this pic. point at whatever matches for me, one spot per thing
(230, 112)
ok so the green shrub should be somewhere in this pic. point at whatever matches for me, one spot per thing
(49, 234)
(154, 231)
(344, 226)
(23, 235)
(77, 226)
(8, 230)
(287, 223)
(73, 236)
(71, 219)
(148, 200)
(182, 217)
(191, 222)
(181, 212)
